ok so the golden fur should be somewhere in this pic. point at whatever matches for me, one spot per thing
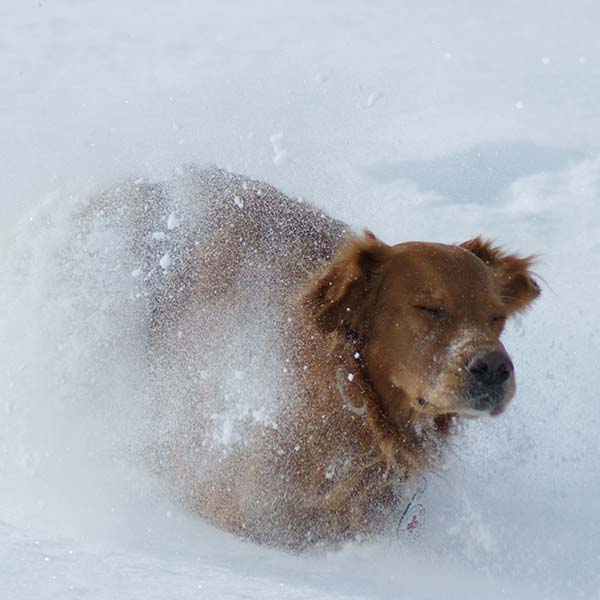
(380, 346)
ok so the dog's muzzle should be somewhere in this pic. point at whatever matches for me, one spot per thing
(490, 383)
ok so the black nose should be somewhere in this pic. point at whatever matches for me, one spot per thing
(490, 368)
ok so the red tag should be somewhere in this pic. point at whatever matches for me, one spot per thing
(413, 523)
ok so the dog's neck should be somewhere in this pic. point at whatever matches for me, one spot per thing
(418, 438)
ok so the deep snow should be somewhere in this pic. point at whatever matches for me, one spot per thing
(436, 121)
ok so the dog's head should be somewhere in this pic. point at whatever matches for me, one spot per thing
(428, 318)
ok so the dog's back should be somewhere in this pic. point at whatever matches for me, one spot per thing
(211, 231)
(222, 261)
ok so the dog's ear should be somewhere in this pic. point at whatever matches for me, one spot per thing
(518, 288)
(339, 298)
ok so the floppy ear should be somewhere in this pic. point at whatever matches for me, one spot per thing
(340, 297)
(518, 288)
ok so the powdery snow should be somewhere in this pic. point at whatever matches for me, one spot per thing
(172, 222)
(166, 261)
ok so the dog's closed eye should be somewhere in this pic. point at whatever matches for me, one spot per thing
(436, 311)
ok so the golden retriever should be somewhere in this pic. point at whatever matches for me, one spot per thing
(305, 375)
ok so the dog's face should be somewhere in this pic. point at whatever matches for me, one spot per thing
(430, 317)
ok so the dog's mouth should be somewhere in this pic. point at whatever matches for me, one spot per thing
(471, 407)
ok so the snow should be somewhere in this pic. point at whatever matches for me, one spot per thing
(166, 261)
(280, 154)
(172, 221)
(473, 131)
(373, 98)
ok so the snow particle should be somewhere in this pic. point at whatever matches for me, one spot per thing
(447, 56)
(136, 272)
(276, 139)
(373, 98)
(159, 235)
(227, 432)
(280, 157)
(583, 60)
(166, 261)
(519, 105)
(545, 60)
(350, 377)
(279, 152)
(357, 355)
(172, 222)
(239, 202)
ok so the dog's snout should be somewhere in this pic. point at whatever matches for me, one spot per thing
(490, 367)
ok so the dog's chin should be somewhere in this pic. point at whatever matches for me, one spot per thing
(461, 407)
(474, 413)
(475, 410)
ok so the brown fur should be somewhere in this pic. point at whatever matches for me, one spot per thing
(373, 378)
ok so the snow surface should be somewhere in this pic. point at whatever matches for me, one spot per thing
(436, 120)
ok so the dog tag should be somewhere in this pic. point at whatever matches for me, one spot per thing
(411, 523)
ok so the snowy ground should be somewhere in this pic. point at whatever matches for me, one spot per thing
(420, 120)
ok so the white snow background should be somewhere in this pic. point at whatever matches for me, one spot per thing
(420, 120)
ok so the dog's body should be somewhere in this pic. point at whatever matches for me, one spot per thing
(337, 391)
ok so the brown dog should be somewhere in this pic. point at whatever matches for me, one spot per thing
(305, 375)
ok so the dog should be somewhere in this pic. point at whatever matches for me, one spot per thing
(305, 376)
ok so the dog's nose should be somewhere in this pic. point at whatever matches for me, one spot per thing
(490, 368)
